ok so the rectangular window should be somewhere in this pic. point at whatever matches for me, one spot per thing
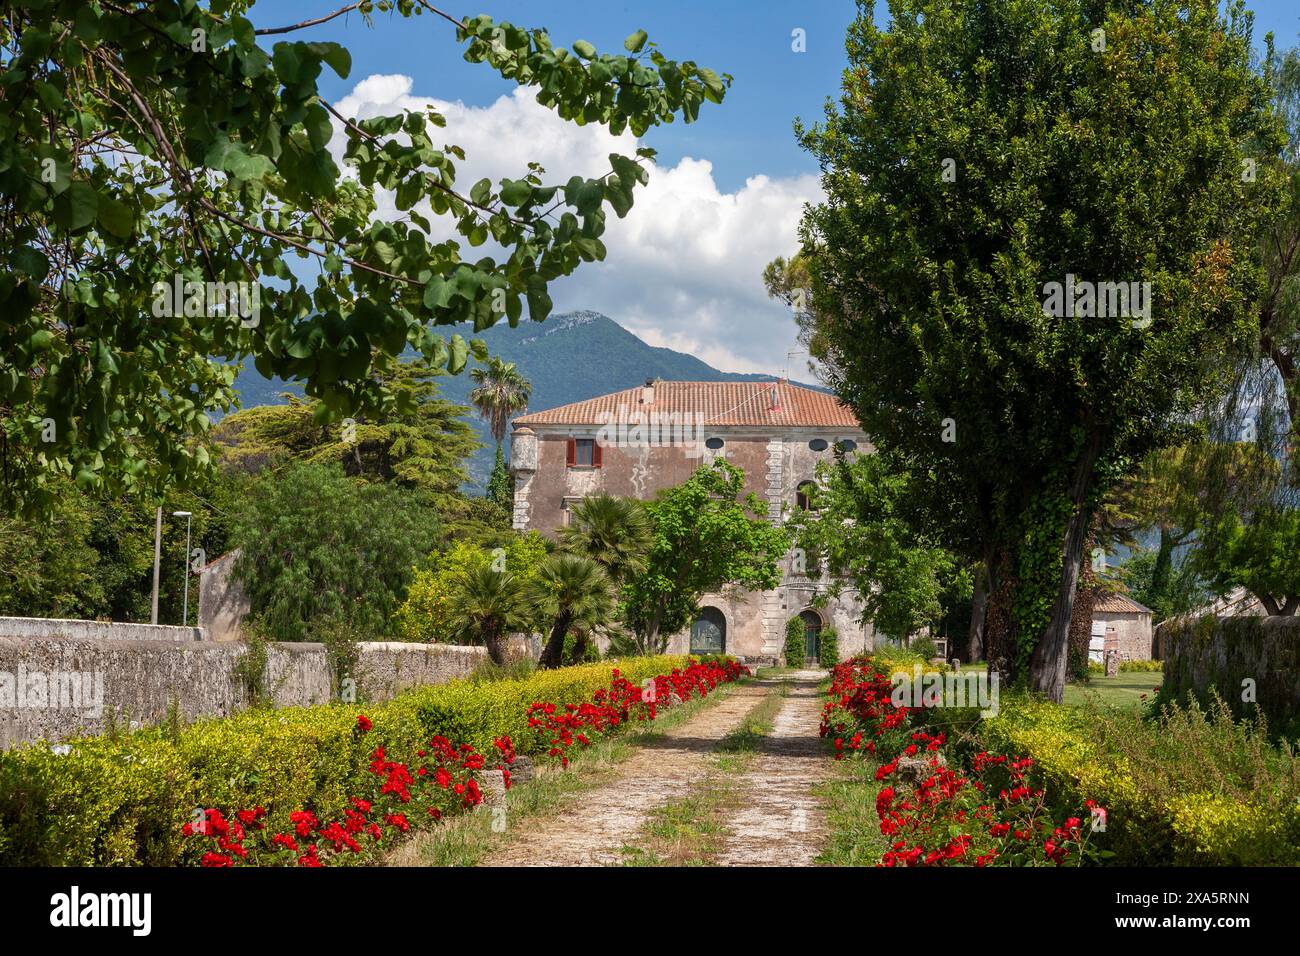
(566, 511)
(584, 452)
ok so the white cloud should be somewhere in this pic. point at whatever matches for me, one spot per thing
(683, 270)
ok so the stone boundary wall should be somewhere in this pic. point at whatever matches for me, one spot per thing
(46, 628)
(56, 688)
(1225, 651)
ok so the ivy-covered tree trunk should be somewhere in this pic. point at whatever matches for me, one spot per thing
(999, 622)
(1047, 665)
(978, 606)
(1085, 597)
(1162, 571)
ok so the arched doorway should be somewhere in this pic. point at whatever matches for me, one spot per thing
(805, 496)
(709, 632)
(812, 633)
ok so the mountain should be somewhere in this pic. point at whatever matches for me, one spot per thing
(570, 357)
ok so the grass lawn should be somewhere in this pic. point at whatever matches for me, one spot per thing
(1122, 692)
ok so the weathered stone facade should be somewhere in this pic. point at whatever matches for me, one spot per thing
(776, 432)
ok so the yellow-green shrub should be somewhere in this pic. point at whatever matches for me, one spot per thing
(123, 800)
(425, 615)
(1187, 788)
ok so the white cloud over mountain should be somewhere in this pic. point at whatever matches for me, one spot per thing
(683, 269)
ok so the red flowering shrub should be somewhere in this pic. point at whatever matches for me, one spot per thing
(443, 782)
(560, 727)
(439, 780)
(986, 813)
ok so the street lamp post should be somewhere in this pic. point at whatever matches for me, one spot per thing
(185, 612)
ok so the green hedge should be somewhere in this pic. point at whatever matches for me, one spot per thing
(1189, 787)
(830, 648)
(123, 800)
(796, 652)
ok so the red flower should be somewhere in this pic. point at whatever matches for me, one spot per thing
(363, 723)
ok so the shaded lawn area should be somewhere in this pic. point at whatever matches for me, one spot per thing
(1122, 692)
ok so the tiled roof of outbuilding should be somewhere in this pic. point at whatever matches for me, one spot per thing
(1118, 604)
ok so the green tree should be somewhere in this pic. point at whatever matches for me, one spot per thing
(91, 556)
(858, 531)
(1181, 591)
(1259, 555)
(570, 591)
(501, 484)
(422, 442)
(707, 534)
(500, 392)
(48, 567)
(488, 604)
(614, 532)
(317, 545)
(426, 613)
(963, 177)
(789, 281)
(796, 648)
(146, 145)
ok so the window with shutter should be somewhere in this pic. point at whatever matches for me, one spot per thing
(569, 453)
(597, 454)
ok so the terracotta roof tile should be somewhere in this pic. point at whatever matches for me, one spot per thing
(1118, 604)
(721, 403)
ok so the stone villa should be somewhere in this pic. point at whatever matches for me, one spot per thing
(634, 442)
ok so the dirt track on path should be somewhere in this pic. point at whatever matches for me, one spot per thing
(592, 827)
(773, 820)
(778, 821)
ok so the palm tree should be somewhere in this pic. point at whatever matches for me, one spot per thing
(488, 602)
(616, 533)
(570, 590)
(500, 392)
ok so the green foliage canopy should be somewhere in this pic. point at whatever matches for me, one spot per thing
(317, 545)
(980, 151)
(141, 145)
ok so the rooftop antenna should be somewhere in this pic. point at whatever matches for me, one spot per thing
(785, 376)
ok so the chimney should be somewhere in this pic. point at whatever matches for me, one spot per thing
(648, 392)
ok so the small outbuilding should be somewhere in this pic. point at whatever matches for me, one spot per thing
(1123, 625)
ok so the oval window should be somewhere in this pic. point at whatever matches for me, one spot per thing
(846, 445)
(714, 443)
(818, 444)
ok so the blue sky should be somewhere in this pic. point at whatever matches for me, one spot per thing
(750, 40)
(726, 191)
